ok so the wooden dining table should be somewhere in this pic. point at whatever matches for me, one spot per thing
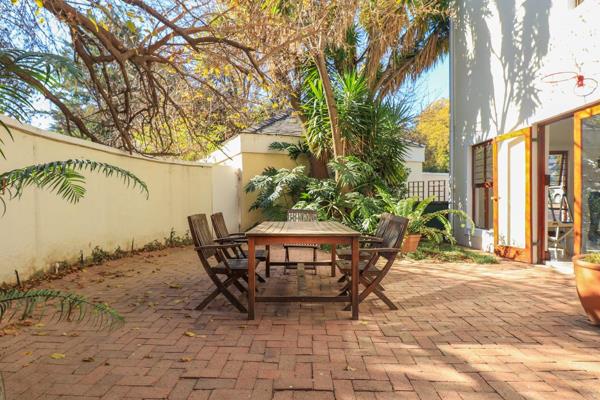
(291, 232)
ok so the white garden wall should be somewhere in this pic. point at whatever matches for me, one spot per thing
(41, 229)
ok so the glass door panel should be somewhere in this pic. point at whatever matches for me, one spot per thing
(590, 183)
(512, 195)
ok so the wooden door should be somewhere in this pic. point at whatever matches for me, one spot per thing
(586, 182)
(512, 195)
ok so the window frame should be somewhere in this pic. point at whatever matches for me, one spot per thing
(487, 185)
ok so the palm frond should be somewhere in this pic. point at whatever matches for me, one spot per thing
(67, 306)
(63, 178)
(47, 69)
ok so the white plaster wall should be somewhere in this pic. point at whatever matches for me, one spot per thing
(41, 229)
(500, 51)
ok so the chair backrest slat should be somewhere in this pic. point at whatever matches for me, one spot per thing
(384, 218)
(201, 233)
(218, 221)
(394, 234)
(300, 215)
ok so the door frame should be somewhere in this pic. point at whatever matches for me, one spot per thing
(518, 254)
(578, 116)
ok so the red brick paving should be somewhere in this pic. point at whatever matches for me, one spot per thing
(464, 332)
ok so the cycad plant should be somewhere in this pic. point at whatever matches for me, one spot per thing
(67, 306)
(23, 74)
(419, 220)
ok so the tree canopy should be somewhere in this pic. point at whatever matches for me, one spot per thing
(176, 77)
(433, 129)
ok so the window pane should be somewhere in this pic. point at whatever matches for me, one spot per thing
(483, 215)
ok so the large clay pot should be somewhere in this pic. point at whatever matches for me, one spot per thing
(410, 243)
(587, 280)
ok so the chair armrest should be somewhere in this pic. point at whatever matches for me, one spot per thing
(230, 240)
(371, 239)
(243, 234)
(381, 250)
(216, 246)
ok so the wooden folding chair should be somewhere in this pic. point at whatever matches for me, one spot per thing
(233, 270)
(366, 241)
(239, 238)
(300, 215)
(370, 275)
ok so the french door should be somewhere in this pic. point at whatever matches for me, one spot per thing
(512, 195)
(586, 183)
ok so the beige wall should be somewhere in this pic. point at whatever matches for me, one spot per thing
(41, 229)
(254, 164)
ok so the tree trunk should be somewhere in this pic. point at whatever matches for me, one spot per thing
(338, 142)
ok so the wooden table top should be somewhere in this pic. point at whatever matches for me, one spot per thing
(292, 228)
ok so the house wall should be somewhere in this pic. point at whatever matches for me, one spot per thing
(40, 228)
(249, 154)
(500, 53)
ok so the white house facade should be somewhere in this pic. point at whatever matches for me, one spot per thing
(525, 126)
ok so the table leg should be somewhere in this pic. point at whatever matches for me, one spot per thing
(251, 277)
(355, 278)
(268, 261)
(333, 260)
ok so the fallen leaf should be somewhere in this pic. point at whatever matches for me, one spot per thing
(185, 359)
(190, 334)
(174, 285)
(39, 333)
(28, 353)
(57, 356)
(88, 359)
(147, 356)
(349, 368)
(39, 325)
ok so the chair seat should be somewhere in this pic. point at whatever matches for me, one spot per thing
(346, 266)
(346, 254)
(234, 265)
(261, 254)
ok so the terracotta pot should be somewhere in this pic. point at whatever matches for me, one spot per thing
(587, 280)
(410, 243)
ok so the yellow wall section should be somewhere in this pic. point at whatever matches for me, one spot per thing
(41, 228)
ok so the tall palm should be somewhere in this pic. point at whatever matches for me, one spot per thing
(22, 74)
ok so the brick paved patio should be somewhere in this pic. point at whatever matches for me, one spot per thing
(462, 332)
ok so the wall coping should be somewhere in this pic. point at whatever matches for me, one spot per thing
(57, 137)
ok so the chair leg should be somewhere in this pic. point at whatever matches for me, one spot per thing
(221, 287)
(259, 278)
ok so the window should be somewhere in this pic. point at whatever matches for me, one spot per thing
(558, 166)
(483, 185)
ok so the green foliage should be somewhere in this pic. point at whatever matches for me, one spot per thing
(277, 190)
(23, 73)
(373, 130)
(62, 177)
(415, 211)
(433, 129)
(70, 307)
(294, 150)
(357, 199)
(99, 255)
(592, 258)
(446, 252)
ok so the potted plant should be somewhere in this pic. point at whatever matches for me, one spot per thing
(419, 220)
(587, 280)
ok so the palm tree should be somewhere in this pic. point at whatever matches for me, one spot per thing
(21, 75)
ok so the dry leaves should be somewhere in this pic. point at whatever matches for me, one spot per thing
(190, 334)
(57, 356)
